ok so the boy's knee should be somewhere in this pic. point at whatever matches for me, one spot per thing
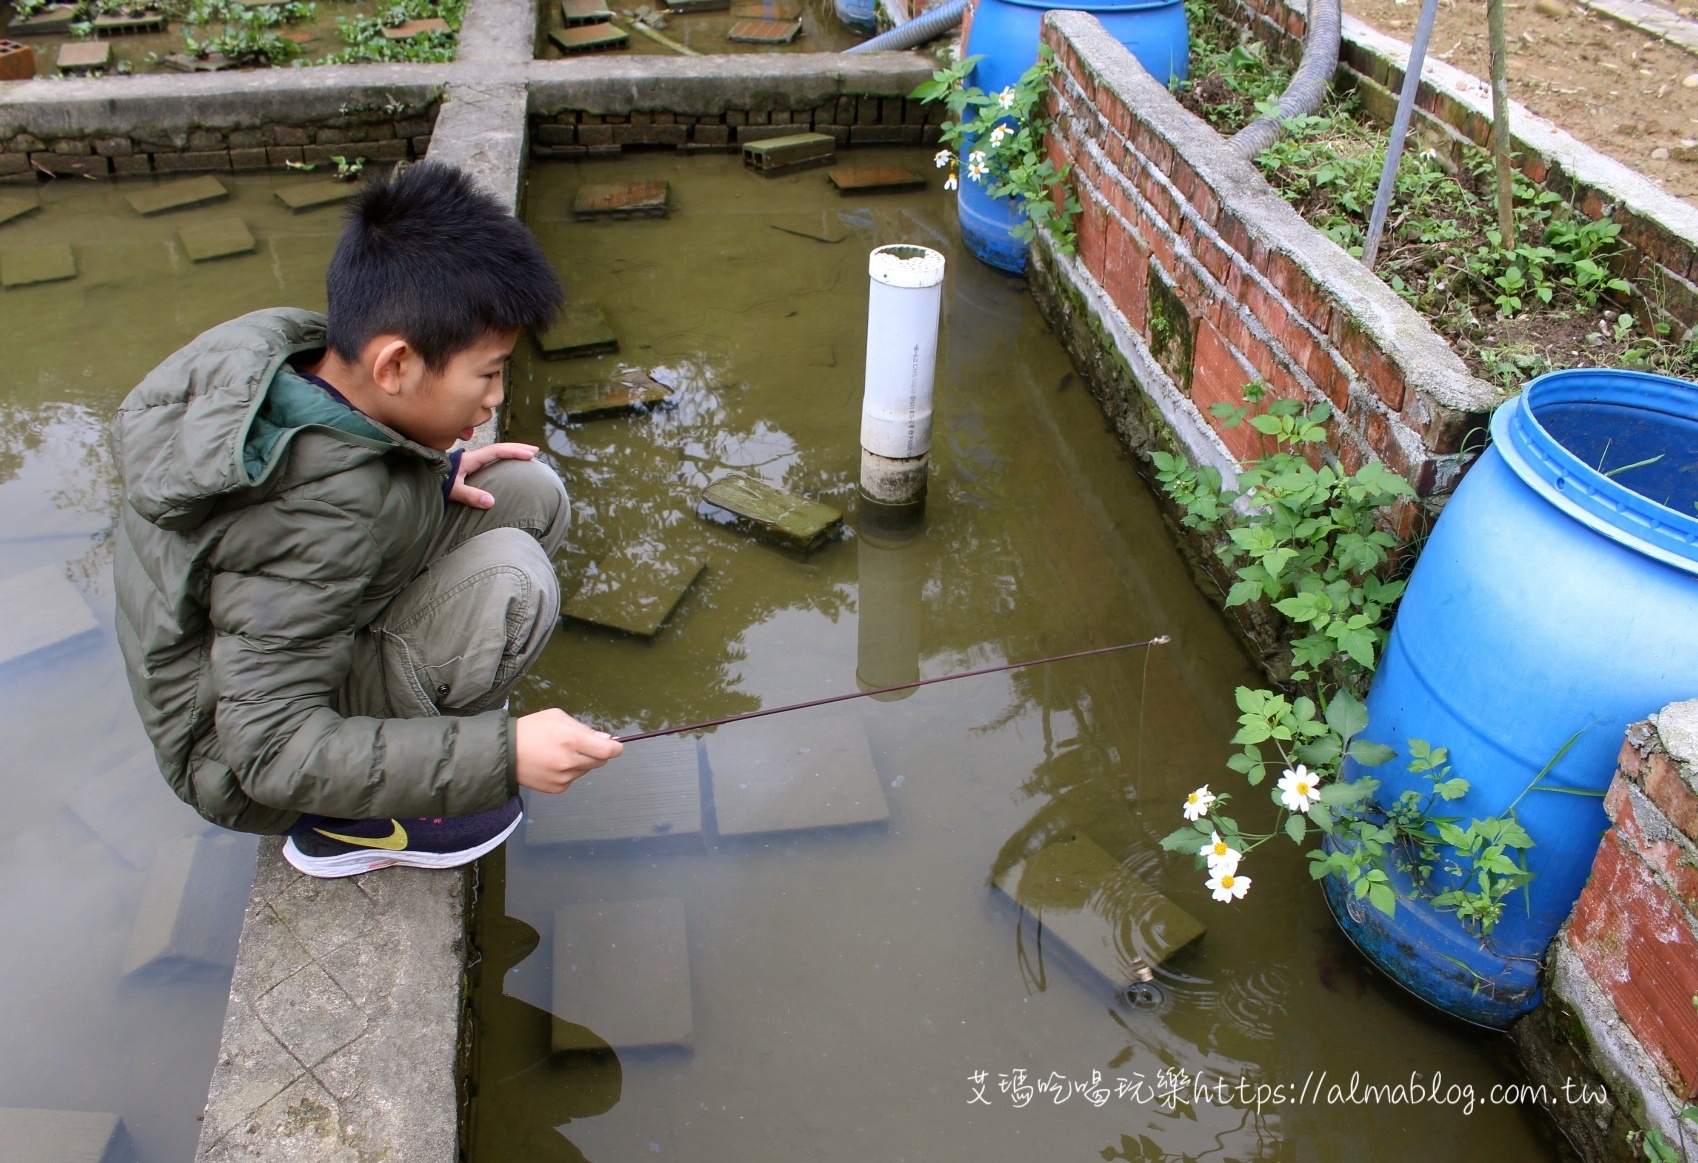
(528, 495)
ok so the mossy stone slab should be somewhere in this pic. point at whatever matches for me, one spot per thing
(11, 208)
(795, 520)
(1105, 913)
(195, 890)
(633, 389)
(589, 38)
(788, 774)
(864, 179)
(651, 792)
(40, 610)
(178, 195)
(219, 238)
(580, 330)
(635, 589)
(620, 200)
(622, 975)
(48, 1136)
(311, 195)
(37, 264)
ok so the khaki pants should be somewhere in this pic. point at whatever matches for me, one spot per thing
(462, 633)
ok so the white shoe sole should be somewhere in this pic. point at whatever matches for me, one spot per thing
(371, 859)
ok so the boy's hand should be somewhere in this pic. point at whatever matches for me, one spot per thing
(555, 749)
(475, 458)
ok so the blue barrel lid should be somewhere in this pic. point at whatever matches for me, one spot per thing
(1094, 9)
(1647, 423)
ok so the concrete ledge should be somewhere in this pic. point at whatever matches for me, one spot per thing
(714, 84)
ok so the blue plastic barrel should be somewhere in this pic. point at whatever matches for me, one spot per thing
(1558, 592)
(1006, 33)
(858, 15)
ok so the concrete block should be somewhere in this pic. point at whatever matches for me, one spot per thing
(279, 156)
(587, 38)
(54, 20)
(139, 164)
(47, 1136)
(630, 391)
(249, 159)
(198, 161)
(73, 147)
(220, 238)
(620, 200)
(764, 31)
(795, 520)
(83, 56)
(114, 147)
(178, 195)
(652, 791)
(15, 165)
(576, 12)
(190, 908)
(622, 975)
(634, 589)
(70, 166)
(311, 195)
(11, 208)
(580, 330)
(790, 774)
(777, 149)
(132, 809)
(865, 179)
(40, 610)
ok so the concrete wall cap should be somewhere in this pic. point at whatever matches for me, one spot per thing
(1677, 726)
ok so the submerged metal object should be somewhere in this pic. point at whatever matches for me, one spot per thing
(793, 151)
(798, 521)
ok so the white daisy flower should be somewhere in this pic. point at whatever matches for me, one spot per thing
(1198, 803)
(950, 183)
(942, 158)
(1298, 789)
(1006, 98)
(997, 135)
(1223, 857)
(1228, 886)
(977, 170)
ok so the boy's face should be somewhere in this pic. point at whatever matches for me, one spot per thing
(438, 408)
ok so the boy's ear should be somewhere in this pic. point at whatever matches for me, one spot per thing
(388, 358)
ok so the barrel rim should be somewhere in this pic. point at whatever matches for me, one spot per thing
(1093, 9)
(1581, 491)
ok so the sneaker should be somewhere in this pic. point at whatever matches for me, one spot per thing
(326, 846)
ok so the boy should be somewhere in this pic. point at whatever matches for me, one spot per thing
(321, 607)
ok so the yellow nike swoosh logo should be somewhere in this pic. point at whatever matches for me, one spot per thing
(393, 842)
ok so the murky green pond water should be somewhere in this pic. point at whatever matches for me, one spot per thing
(861, 992)
(90, 833)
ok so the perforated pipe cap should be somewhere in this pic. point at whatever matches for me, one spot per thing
(903, 265)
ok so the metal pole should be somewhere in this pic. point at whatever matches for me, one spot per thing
(1399, 129)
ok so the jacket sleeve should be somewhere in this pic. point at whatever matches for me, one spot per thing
(287, 580)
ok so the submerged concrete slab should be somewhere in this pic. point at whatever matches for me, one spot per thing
(40, 610)
(47, 1136)
(196, 883)
(178, 195)
(25, 267)
(635, 588)
(311, 195)
(653, 791)
(134, 811)
(622, 975)
(219, 238)
(580, 330)
(791, 774)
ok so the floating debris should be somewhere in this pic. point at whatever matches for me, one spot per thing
(1106, 914)
(11, 208)
(589, 38)
(63, 1136)
(632, 389)
(40, 610)
(219, 238)
(195, 888)
(83, 56)
(795, 151)
(620, 200)
(795, 520)
(634, 589)
(54, 20)
(408, 29)
(36, 264)
(177, 195)
(580, 330)
(652, 791)
(861, 179)
(621, 975)
(764, 31)
(576, 12)
(311, 195)
(795, 774)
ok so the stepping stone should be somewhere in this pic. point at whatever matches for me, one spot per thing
(580, 330)
(793, 151)
(633, 389)
(17, 61)
(11, 208)
(620, 200)
(216, 239)
(853, 179)
(81, 56)
(40, 610)
(650, 792)
(576, 12)
(43, 1136)
(589, 38)
(133, 810)
(310, 195)
(634, 589)
(212, 62)
(796, 520)
(788, 774)
(178, 195)
(51, 21)
(1107, 915)
(37, 264)
(113, 25)
(622, 973)
(766, 9)
(764, 31)
(191, 910)
(697, 5)
(408, 29)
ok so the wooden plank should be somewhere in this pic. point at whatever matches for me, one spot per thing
(191, 909)
(47, 1136)
(576, 12)
(630, 390)
(408, 29)
(764, 31)
(11, 208)
(635, 589)
(766, 9)
(310, 195)
(652, 791)
(622, 975)
(580, 330)
(80, 56)
(216, 239)
(589, 38)
(770, 511)
(790, 774)
(1106, 914)
(860, 179)
(792, 151)
(40, 610)
(133, 811)
(178, 195)
(620, 200)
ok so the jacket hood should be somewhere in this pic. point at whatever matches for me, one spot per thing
(183, 434)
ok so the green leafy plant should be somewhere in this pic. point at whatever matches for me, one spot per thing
(364, 39)
(245, 35)
(1003, 134)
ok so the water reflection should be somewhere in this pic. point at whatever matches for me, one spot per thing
(890, 575)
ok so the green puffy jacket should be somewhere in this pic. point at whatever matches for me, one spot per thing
(264, 525)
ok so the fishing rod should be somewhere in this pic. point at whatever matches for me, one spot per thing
(1162, 640)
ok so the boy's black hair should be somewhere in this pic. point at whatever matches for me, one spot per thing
(427, 255)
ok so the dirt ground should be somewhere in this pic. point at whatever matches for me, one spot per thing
(1611, 86)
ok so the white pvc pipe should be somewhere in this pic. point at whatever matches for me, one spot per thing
(903, 309)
